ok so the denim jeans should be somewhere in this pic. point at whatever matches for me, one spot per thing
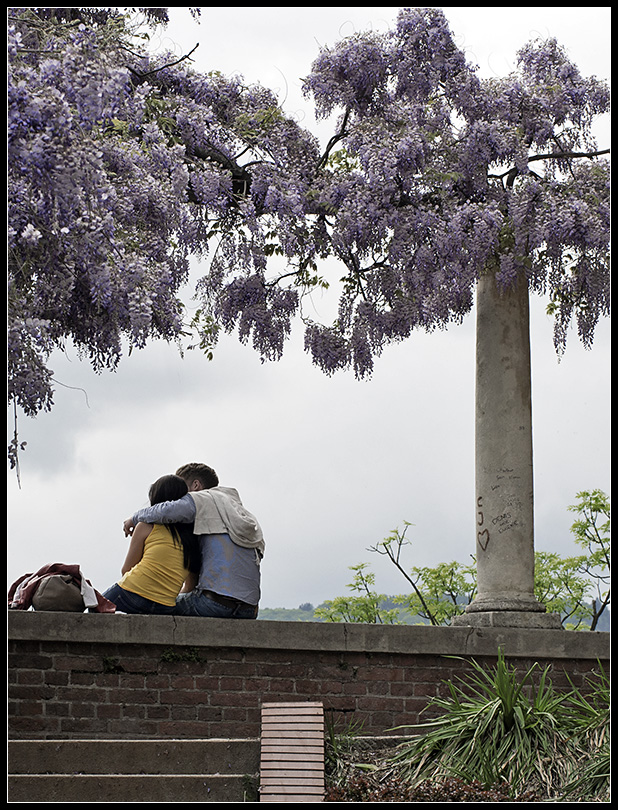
(127, 602)
(198, 603)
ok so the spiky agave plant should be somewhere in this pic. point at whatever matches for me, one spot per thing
(498, 729)
(591, 724)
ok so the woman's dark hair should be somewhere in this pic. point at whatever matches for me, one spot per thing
(167, 488)
(172, 488)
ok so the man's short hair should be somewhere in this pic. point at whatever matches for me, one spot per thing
(205, 474)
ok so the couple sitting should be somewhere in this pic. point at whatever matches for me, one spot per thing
(195, 551)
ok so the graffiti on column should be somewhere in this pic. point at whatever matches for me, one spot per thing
(482, 535)
(508, 519)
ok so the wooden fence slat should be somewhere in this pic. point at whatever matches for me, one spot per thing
(292, 733)
(293, 746)
(293, 766)
(310, 747)
(292, 728)
(277, 788)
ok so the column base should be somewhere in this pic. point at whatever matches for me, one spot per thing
(509, 618)
(520, 603)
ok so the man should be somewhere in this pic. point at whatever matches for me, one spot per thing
(231, 541)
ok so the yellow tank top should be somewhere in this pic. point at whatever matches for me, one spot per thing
(160, 573)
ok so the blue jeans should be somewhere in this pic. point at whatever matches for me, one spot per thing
(199, 603)
(127, 602)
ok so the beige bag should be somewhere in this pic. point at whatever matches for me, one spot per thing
(58, 592)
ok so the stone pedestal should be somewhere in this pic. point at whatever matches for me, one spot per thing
(504, 480)
(528, 620)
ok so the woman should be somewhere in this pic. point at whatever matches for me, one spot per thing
(159, 560)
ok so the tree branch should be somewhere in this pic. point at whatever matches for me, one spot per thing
(335, 139)
(559, 155)
(145, 75)
(384, 548)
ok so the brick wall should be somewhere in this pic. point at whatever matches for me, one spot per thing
(96, 676)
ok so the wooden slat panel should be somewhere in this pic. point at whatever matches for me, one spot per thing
(283, 780)
(291, 762)
(285, 746)
(293, 751)
(308, 763)
(293, 727)
(292, 744)
(292, 757)
(305, 736)
(291, 786)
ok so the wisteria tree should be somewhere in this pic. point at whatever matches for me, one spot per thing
(451, 186)
(122, 165)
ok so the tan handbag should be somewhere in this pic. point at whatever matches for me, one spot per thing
(58, 592)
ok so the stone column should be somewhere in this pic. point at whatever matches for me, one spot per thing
(504, 506)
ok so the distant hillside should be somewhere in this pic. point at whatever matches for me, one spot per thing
(287, 615)
(306, 613)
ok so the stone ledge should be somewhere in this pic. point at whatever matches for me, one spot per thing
(199, 632)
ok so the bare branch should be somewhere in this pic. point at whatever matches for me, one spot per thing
(145, 75)
(335, 139)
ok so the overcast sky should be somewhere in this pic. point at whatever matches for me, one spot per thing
(330, 466)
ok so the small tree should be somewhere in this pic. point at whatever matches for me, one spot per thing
(563, 589)
(365, 608)
(594, 536)
(578, 587)
(439, 593)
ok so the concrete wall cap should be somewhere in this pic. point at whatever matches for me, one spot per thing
(318, 636)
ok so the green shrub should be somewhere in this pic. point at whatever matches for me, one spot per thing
(507, 733)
